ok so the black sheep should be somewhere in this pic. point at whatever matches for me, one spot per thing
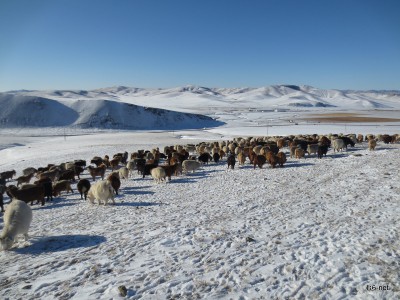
(231, 161)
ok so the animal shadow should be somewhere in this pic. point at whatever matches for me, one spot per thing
(59, 243)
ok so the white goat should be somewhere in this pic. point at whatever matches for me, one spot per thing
(158, 174)
(17, 219)
(102, 191)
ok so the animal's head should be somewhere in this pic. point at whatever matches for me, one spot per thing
(6, 243)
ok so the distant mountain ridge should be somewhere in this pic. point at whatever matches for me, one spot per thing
(187, 107)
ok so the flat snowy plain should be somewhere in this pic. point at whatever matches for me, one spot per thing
(314, 229)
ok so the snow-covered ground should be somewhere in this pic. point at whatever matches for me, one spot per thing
(315, 229)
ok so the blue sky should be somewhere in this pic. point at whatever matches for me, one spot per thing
(85, 44)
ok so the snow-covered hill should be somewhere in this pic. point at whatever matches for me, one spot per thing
(35, 111)
(124, 107)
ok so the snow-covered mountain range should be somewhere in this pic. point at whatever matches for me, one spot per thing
(129, 108)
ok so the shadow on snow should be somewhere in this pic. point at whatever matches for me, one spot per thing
(59, 243)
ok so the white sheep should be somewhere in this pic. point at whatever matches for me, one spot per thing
(371, 145)
(312, 149)
(123, 173)
(158, 174)
(190, 165)
(102, 191)
(17, 219)
(338, 144)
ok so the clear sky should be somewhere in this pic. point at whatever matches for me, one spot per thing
(87, 44)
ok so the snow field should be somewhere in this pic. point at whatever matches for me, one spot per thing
(313, 229)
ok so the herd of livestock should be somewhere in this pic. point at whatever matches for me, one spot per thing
(49, 181)
(41, 184)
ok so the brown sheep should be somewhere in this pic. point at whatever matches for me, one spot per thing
(7, 174)
(24, 179)
(115, 182)
(67, 175)
(371, 144)
(299, 153)
(97, 171)
(271, 158)
(115, 162)
(281, 158)
(60, 186)
(53, 175)
(28, 194)
(169, 170)
(241, 158)
(259, 160)
(292, 151)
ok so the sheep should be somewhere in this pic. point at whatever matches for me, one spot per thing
(281, 157)
(67, 175)
(388, 138)
(123, 173)
(322, 150)
(24, 179)
(259, 160)
(115, 162)
(371, 145)
(299, 153)
(131, 165)
(78, 170)
(17, 220)
(204, 157)
(140, 165)
(292, 151)
(29, 170)
(338, 144)
(231, 161)
(102, 191)
(62, 185)
(216, 157)
(148, 167)
(312, 149)
(241, 158)
(190, 165)
(123, 157)
(83, 187)
(347, 141)
(53, 174)
(7, 174)
(27, 194)
(47, 185)
(171, 169)
(114, 181)
(97, 171)
(158, 174)
(97, 160)
(80, 163)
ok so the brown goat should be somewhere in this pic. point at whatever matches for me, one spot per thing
(259, 160)
(281, 158)
(115, 182)
(24, 179)
(60, 186)
(169, 170)
(7, 174)
(97, 171)
(28, 194)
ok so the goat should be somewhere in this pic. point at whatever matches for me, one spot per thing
(102, 191)
(83, 187)
(27, 194)
(17, 220)
(97, 171)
